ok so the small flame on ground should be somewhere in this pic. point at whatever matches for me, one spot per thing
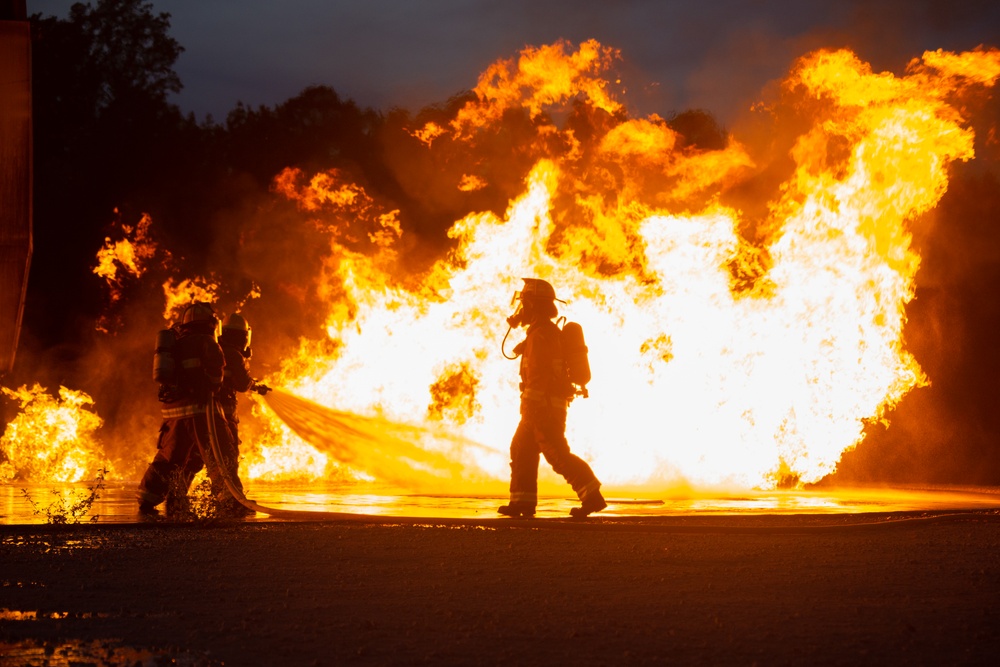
(51, 439)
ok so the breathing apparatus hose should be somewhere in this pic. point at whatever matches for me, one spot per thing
(504, 342)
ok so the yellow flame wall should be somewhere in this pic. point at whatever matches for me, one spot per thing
(694, 378)
(727, 347)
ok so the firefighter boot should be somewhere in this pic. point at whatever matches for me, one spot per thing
(517, 510)
(148, 511)
(592, 502)
(234, 509)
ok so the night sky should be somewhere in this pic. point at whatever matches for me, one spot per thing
(711, 54)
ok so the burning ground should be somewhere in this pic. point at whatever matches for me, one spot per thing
(745, 293)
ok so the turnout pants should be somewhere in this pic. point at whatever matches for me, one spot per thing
(542, 431)
(182, 450)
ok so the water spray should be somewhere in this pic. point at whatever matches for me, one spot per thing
(237, 492)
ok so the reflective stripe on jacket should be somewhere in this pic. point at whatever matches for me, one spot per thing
(181, 411)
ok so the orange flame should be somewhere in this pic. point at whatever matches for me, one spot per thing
(330, 193)
(719, 356)
(471, 183)
(279, 455)
(128, 254)
(51, 440)
(541, 78)
(182, 294)
(716, 360)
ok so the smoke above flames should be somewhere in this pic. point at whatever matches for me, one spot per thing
(744, 294)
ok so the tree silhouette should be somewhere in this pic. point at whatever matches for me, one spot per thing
(100, 83)
(316, 129)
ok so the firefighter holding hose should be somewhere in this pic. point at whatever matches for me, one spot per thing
(546, 391)
(235, 343)
(189, 365)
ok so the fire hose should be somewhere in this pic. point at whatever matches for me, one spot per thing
(620, 524)
(237, 492)
(309, 515)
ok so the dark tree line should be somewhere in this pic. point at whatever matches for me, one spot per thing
(107, 138)
(100, 81)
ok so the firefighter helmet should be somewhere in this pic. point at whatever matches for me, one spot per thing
(537, 289)
(199, 311)
(537, 300)
(236, 322)
(238, 328)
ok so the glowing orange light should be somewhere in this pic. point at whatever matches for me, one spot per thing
(51, 439)
(180, 295)
(128, 254)
(701, 374)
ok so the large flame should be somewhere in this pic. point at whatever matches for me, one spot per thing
(731, 342)
(51, 439)
(715, 360)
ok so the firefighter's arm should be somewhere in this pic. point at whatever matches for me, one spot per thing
(241, 372)
(214, 365)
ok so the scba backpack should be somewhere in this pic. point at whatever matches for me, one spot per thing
(165, 370)
(575, 357)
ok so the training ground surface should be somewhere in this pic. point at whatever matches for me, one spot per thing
(768, 589)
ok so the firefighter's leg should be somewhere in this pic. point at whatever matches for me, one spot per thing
(178, 503)
(551, 437)
(219, 490)
(218, 470)
(229, 446)
(234, 430)
(155, 483)
(523, 473)
(191, 468)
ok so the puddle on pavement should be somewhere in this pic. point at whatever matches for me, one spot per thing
(93, 653)
(34, 615)
(21, 584)
(45, 545)
(116, 503)
(13, 615)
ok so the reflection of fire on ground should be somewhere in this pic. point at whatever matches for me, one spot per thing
(743, 300)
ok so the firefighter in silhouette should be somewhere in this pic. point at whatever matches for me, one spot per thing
(235, 342)
(546, 391)
(188, 382)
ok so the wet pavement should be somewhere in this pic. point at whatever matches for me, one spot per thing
(904, 575)
(22, 504)
(93, 653)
